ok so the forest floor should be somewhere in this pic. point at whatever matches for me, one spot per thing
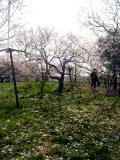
(79, 124)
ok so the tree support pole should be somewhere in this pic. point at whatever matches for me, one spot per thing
(14, 79)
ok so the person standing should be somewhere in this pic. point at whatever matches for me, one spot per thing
(94, 78)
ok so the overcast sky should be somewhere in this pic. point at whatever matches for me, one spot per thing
(62, 15)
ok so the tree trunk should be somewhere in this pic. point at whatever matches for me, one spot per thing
(61, 80)
(43, 83)
(71, 80)
(61, 84)
(1, 79)
(115, 83)
(115, 80)
(75, 78)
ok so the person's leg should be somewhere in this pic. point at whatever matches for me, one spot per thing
(92, 84)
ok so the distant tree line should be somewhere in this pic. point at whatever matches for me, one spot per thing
(47, 55)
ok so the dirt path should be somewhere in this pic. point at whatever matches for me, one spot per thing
(102, 90)
(108, 91)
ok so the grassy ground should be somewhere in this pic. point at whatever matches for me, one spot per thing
(77, 125)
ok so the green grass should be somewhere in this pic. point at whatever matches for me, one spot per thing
(73, 126)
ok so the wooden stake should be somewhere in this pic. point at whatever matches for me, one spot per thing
(14, 79)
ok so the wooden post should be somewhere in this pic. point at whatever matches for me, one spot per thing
(14, 79)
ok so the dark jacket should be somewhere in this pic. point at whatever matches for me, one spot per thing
(94, 76)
